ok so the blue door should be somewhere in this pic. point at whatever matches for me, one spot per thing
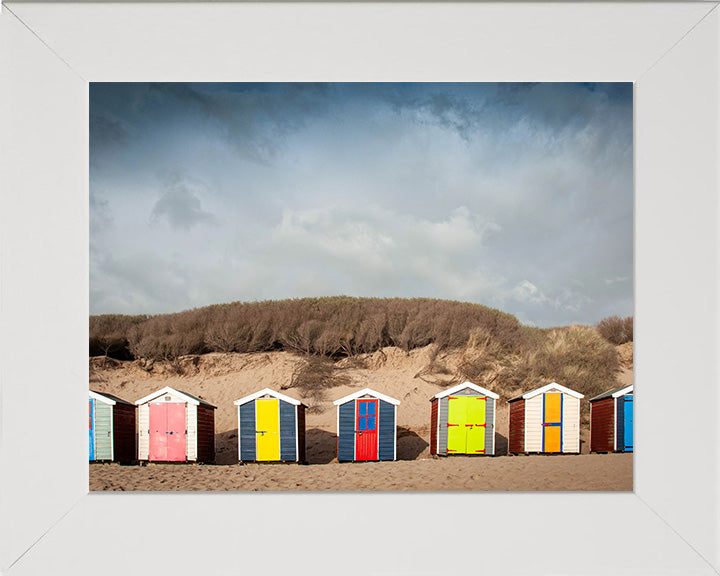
(628, 423)
(92, 428)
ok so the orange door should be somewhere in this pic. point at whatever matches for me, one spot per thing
(552, 422)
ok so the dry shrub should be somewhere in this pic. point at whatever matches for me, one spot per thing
(313, 377)
(576, 357)
(616, 330)
(333, 327)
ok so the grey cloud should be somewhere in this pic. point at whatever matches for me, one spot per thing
(107, 131)
(447, 192)
(180, 207)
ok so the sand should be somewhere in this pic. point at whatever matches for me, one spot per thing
(223, 378)
(536, 472)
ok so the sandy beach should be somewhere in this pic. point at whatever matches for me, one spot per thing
(601, 472)
(222, 378)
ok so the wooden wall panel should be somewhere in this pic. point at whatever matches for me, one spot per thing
(191, 450)
(602, 416)
(516, 440)
(433, 425)
(533, 424)
(205, 434)
(571, 424)
(124, 433)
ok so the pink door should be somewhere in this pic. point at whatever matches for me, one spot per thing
(167, 432)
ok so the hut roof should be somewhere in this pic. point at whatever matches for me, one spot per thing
(184, 395)
(464, 385)
(268, 392)
(369, 392)
(615, 392)
(108, 398)
(547, 388)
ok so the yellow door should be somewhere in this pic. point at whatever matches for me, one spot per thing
(268, 429)
(456, 427)
(476, 424)
(552, 423)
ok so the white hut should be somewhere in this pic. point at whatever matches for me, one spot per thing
(546, 419)
(174, 426)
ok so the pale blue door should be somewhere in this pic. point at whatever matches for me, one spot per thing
(92, 431)
(628, 423)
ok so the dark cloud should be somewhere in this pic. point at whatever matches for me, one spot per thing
(515, 196)
(180, 206)
(106, 131)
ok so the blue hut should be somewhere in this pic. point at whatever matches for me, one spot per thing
(271, 428)
(367, 426)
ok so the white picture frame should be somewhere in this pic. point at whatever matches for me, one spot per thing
(49, 523)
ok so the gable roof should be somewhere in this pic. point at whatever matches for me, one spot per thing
(269, 392)
(615, 392)
(183, 395)
(480, 390)
(369, 392)
(108, 398)
(547, 388)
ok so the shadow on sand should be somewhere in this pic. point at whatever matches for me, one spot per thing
(409, 444)
(501, 445)
(321, 446)
(226, 447)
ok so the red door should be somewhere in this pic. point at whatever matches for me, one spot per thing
(167, 432)
(366, 435)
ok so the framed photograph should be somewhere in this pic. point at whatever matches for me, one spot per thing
(51, 52)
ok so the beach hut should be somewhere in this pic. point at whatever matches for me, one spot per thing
(271, 428)
(367, 426)
(611, 421)
(462, 421)
(546, 420)
(174, 426)
(112, 428)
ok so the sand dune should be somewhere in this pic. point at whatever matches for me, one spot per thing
(222, 378)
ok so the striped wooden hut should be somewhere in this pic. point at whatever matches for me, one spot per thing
(462, 421)
(611, 421)
(174, 426)
(271, 428)
(112, 428)
(546, 419)
(367, 426)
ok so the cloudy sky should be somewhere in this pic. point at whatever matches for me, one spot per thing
(516, 196)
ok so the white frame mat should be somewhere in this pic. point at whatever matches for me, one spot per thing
(49, 524)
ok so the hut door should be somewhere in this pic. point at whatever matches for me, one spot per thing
(92, 429)
(366, 434)
(475, 425)
(268, 429)
(552, 422)
(176, 432)
(458, 424)
(628, 423)
(167, 432)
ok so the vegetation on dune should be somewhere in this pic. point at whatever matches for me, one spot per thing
(496, 348)
(616, 330)
(333, 327)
